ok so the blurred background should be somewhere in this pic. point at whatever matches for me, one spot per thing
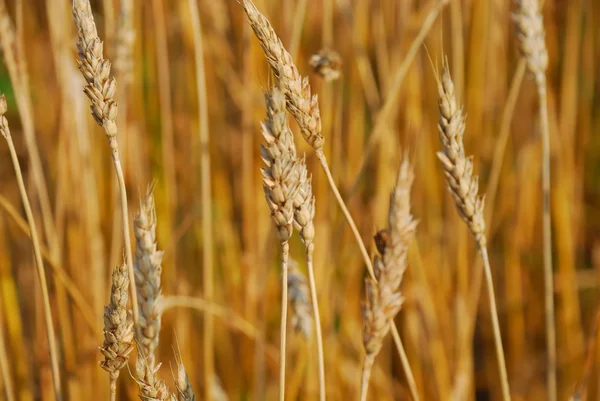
(444, 323)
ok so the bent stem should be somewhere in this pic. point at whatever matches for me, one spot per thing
(315, 306)
(40, 269)
(361, 245)
(285, 249)
(495, 323)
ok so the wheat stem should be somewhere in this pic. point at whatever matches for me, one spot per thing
(495, 323)
(367, 367)
(315, 307)
(410, 379)
(547, 241)
(285, 248)
(207, 237)
(54, 359)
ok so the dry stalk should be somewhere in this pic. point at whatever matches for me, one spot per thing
(100, 89)
(464, 187)
(384, 299)
(532, 43)
(54, 358)
(151, 387)
(281, 186)
(148, 269)
(118, 329)
(205, 194)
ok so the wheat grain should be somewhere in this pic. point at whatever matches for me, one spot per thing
(118, 329)
(148, 270)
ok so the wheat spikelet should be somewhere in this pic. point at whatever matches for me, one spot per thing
(125, 41)
(280, 176)
(458, 168)
(298, 295)
(304, 207)
(383, 298)
(532, 42)
(118, 329)
(300, 102)
(148, 269)
(151, 387)
(185, 392)
(101, 87)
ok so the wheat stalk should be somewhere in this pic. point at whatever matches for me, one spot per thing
(280, 182)
(54, 358)
(464, 187)
(205, 194)
(148, 270)
(100, 89)
(118, 329)
(530, 27)
(384, 300)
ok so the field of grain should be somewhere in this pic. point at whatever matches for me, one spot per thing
(184, 182)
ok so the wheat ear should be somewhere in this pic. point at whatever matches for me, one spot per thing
(530, 28)
(280, 182)
(464, 187)
(151, 387)
(118, 329)
(384, 300)
(304, 215)
(54, 358)
(148, 270)
(100, 89)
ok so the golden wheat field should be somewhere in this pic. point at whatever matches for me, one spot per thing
(300, 200)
